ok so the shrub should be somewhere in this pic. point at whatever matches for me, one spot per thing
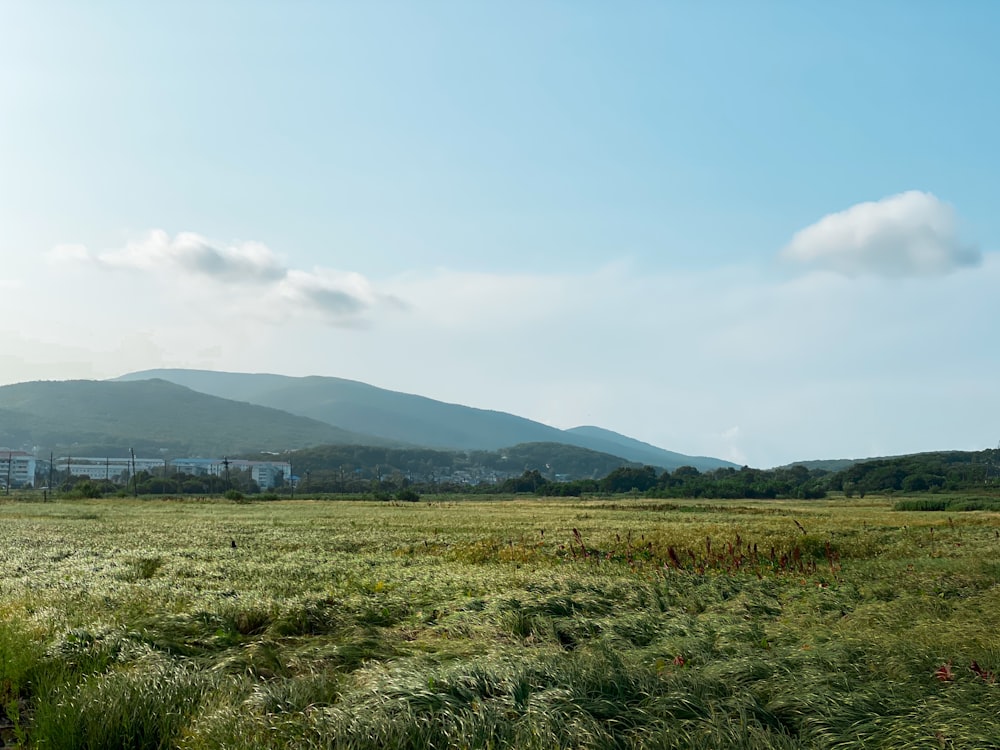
(922, 504)
(87, 489)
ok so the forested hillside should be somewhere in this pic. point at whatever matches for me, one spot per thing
(950, 470)
(88, 417)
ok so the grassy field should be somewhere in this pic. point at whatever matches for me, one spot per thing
(605, 623)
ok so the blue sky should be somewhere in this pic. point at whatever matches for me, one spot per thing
(763, 231)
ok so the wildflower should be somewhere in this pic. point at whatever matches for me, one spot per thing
(944, 673)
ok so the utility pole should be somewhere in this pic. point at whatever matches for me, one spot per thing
(225, 462)
(10, 457)
(51, 459)
(135, 479)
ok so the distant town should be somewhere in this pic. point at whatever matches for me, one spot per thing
(20, 468)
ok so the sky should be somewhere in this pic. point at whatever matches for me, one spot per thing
(761, 231)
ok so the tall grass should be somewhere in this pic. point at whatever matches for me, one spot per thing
(574, 624)
(143, 705)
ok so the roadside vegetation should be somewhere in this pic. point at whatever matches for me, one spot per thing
(611, 622)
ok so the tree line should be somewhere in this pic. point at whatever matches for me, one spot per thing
(920, 473)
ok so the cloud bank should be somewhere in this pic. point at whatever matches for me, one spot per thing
(246, 269)
(904, 235)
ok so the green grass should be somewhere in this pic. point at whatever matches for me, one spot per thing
(617, 623)
(948, 502)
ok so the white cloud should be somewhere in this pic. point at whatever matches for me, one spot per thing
(333, 293)
(250, 278)
(193, 254)
(909, 234)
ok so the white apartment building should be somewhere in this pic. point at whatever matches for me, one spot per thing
(18, 467)
(111, 469)
(265, 473)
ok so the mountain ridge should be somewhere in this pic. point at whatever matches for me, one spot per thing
(153, 415)
(409, 418)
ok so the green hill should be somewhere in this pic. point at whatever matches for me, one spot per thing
(618, 444)
(934, 471)
(107, 418)
(414, 420)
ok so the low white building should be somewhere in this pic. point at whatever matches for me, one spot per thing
(111, 469)
(265, 473)
(199, 467)
(17, 468)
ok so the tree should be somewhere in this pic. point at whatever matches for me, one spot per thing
(628, 478)
(529, 481)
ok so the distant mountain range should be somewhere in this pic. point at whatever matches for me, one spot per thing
(88, 417)
(179, 413)
(405, 419)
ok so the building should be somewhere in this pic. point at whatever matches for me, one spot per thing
(110, 469)
(266, 474)
(199, 467)
(17, 468)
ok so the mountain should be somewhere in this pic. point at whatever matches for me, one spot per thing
(108, 417)
(360, 407)
(615, 443)
(397, 417)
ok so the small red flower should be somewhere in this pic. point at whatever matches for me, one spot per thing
(983, 674)
(944, 673)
